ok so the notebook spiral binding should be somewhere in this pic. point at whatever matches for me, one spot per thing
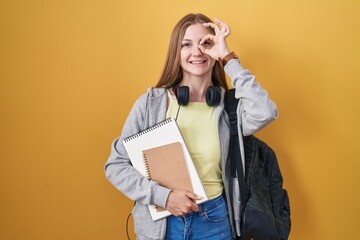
(166, 121)
(148, 176)
(147, 169)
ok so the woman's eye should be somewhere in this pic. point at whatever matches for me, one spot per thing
(185, 45)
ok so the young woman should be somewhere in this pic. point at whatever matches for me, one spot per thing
(198, 57)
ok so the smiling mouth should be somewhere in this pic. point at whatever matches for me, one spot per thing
(198, 62)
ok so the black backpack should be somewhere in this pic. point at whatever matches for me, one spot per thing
(265, 204)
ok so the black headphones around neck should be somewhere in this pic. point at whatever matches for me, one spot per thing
(182, 93)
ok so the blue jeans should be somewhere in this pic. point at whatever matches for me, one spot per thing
(210, 223)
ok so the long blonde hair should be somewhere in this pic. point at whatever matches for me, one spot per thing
(172, 72)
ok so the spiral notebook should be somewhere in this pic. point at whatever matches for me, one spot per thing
(162, 135)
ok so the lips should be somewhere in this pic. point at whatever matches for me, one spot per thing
(198, 61)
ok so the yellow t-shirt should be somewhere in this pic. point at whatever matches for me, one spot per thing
(198, 126)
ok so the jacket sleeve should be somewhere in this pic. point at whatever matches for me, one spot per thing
(255, 108)
(122, 174)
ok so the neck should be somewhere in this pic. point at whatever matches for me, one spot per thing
(198, 87)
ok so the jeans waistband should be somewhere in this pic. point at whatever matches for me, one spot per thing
(205, 206)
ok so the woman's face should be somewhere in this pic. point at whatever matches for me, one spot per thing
(193, 61)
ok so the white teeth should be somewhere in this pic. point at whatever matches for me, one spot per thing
(197, 62)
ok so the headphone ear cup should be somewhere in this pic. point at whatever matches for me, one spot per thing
(182, 94)
(213, 96)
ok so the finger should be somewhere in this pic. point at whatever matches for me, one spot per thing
(202, 48)
(193, 196)
(224, 27)
(177, 214)
(206, 37)
(195, 207)
(213, 26)
(221, 23)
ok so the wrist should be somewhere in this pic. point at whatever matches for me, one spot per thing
(226, 58)
(224, 54)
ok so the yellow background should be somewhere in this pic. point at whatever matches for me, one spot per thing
(71, 70)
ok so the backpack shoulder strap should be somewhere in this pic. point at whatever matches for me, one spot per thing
(230, 105)
(234, 148)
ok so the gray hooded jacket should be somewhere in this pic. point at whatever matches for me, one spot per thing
(255, 110)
